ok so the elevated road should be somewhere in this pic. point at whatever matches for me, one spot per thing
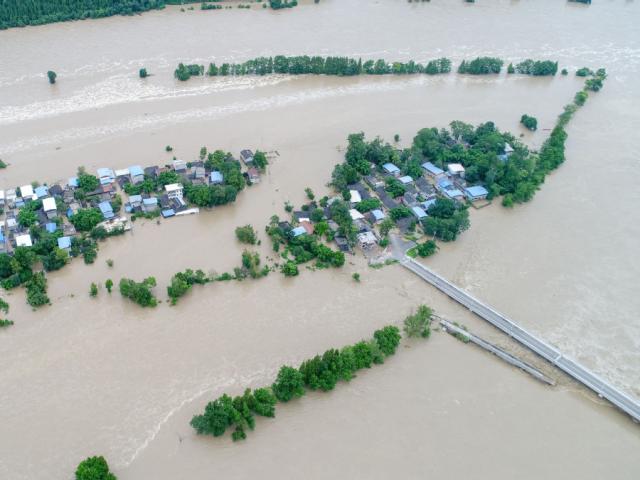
(620, 399)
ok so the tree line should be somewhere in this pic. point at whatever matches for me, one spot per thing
(322, 372)
(314, 65)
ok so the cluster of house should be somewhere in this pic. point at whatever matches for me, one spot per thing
(59, 202)
(419, 195)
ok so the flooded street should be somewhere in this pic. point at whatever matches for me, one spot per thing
(103, 376)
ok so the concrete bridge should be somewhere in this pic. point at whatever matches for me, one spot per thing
(620, 399)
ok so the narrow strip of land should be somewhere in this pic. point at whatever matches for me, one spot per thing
(621, 400)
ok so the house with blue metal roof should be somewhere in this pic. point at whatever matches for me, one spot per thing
(73, 182)
(106, 209)
(169, 212)
(51, 227)
(296, 232)
(454, 194)
(445, 184)
(41, 191)
(64, 243)
(406, 180)
(135, 200)
(149, 204)
(432, 170)
(136, 173)
(477, 192)
(391, 169)
(418, 212)
(106, 176)
(216, 178)
(377, 215)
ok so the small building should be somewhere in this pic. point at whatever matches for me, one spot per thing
(373, 181)
(179, 166)
(2, 198)
(391, 169)
(253, 175)
(107, 210)
(456, 169)
(302, 215)
(432, 170)
(106, 176)
(425, 205)
(454, 194)
(216, 178)
(386, 200)
(174, 191)
(477, 192)
(508, 150)
(72, 182)
(136, 173)
(406, 180)
(135, 201)
(149, 204)
(198, 174)
(64, 243)
(41, 191)
(26, 192)
(377, 215)
(51, 227)
(355, 196)
(418, 212)
(343, 244)
(308, 227)
(152, 172)
(367, 240)
(24, 240)
(445, 184)
(56, 190)
(409, 199)
(168, 212)
(50, 208)
(247, 157)
(296, 232)
(12, 224)
(355, 214)
(122, 173)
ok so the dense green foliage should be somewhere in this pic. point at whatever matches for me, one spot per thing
(139, 292)
(306, 65)
(530, 123)
(4, 306)
(94, 468)
(289, 384)
(37, 290)
(182, 282)
(247, 234)
(446, 219)
(419, 324)
(537, 67)
(19, 13)
(481, 66)
(5, 323)
(239, 411)
(93, 290)
(278, 4)
(388, 339)
(86, 219)
(427, 248)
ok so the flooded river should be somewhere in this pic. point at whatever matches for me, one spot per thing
(102, 376)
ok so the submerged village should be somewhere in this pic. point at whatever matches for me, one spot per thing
(52, 223)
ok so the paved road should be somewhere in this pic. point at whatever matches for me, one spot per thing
(572, 368)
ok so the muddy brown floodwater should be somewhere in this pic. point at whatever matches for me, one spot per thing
(102, 376)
